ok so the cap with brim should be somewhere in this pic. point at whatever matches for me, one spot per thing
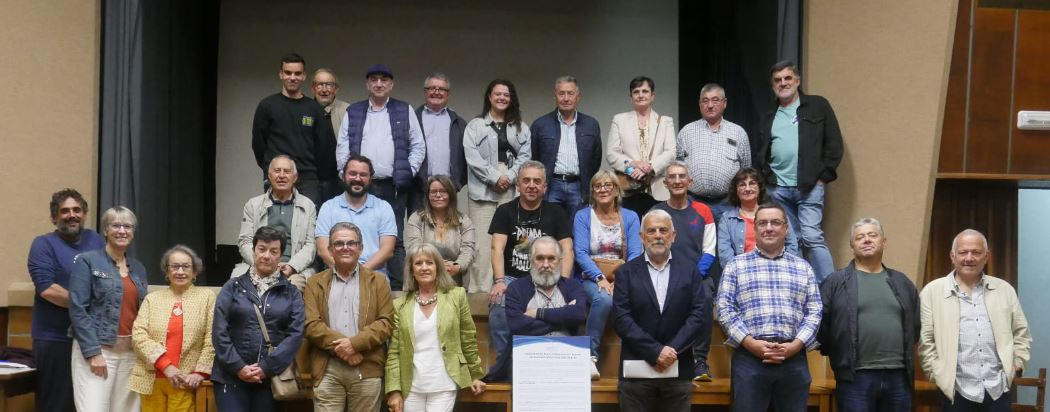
(379, 69)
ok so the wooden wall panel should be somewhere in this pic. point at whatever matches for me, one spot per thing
(953, 131)
(987, 149)
(1031, 149)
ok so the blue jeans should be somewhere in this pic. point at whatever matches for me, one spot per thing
(601, 305)
(565, 194)
(805, 212)
(757, 385)
(244, 397)
(962, 404)
(499, 331)
(398, 199)
(885, 390)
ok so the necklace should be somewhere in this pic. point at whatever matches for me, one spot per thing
(426, 302)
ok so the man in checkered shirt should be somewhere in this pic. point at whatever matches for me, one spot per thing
(769, 306)
(714, 149)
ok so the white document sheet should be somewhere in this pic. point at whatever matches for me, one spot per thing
(552, 374)
(640, 369)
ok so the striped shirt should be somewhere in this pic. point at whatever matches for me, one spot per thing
(770, 299)
(713, 156)
(568, 160)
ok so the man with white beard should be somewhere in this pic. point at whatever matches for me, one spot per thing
(547, 305)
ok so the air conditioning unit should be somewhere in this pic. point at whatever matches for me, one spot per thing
(1032, 120)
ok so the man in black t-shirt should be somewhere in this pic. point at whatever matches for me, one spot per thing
(292, 124)
(515, 225)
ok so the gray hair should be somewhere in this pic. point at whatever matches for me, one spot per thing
(970, 232)
(544, 240)
(424, 249)
(439, 76)
(345, 226)
(329, 71)
(657, 213)
(198, 263)
(712, 87)
(282, 156)
(609, 176)
(566, 79)
(115, 213)
(784, 64)
(678, 163)
(868, 221)
(533, 164)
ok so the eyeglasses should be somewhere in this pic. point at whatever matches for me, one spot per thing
(677, 176)
(775, 223)
(715, 100)
(438, 193)
(180, 266)
(435, 89)
(598, 187)
(122, 226)
(747, 183)
(349, 244)
(326, 85)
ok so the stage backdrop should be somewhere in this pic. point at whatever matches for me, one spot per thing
(604, 44)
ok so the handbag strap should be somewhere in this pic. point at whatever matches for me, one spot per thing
(652, 147)
(623, 238)
(262, 325)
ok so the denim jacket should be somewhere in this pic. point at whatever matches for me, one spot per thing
(480, 144)
(95, 293)
(732, 234)
(237, 337)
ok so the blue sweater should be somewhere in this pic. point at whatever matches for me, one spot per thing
(581, 240)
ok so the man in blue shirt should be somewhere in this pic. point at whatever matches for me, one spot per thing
(372, 215)
(569, 144)
(51, 259)
(770, 308)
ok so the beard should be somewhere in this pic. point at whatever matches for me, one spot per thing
(545, 278)
(69, 227)
(348, 187)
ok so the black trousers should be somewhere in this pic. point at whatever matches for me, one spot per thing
(398, 199)
(643, 395)
(54, 378)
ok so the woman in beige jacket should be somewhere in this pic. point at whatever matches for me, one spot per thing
(641, 144)
(172, 336)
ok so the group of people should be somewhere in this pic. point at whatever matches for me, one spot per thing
(560, 245)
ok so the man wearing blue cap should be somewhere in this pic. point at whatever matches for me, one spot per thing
(384, 130)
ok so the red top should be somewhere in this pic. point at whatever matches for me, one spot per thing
(173, 342)
(749, 233)
(129, 307)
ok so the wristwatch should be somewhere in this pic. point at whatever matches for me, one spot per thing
(599, 278)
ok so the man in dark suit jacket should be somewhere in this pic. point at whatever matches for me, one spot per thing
(569, 144)
(443, 133)
(658, 309)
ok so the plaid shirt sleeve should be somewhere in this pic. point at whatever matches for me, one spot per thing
(812, 312)
(728, 310)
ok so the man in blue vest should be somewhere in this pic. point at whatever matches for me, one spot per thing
(383, 129)
(569, 144)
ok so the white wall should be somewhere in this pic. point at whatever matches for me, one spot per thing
(603, 43)
(1033, 280)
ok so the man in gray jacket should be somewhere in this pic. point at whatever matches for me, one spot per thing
(284, 208)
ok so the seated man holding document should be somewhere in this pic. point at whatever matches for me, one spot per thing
(544, 304)
(658, 311)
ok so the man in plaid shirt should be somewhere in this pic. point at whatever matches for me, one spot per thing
(769, 305)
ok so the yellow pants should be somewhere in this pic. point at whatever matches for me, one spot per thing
(166, 398)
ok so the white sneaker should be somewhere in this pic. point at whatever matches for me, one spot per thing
(594, 369)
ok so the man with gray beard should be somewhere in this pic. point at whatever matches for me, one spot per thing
(549, 304)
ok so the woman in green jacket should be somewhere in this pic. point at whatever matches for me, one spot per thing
(434, 348)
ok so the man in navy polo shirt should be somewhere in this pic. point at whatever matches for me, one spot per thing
(51, 260)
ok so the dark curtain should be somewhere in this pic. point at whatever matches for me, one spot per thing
(158, 123)
(734, 43)
(989, 207)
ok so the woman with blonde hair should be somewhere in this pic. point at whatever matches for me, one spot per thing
(605, 235)
(172, 336)
(434, 350)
